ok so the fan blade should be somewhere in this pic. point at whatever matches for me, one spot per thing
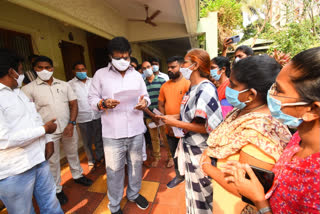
(155, 14)
(137, 20)
(152, 23)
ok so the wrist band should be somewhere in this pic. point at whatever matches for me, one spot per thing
(264, 210)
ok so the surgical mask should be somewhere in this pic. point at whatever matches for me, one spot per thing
(120, 64)
(275, 106)
(81, 75)
(148, 72)
(186, 72)
(214, 74)
(44, 75)
(20, 79)
(155, 68)
(232, 97)
(237, 59)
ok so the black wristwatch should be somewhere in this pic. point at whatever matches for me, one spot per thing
(73, 122)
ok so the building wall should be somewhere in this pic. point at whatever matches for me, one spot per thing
(45, 33)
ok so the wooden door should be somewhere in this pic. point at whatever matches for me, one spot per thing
(71, 53)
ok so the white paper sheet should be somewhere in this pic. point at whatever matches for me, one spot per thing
(128, 99)
(177, 132)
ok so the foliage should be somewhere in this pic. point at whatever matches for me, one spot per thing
(280, 57)
(251, 30)
(294, 37)
(229, 15)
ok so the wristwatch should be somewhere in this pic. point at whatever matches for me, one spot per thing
(264, 210)
(73, 122)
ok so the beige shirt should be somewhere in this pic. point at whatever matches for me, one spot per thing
(52, 101)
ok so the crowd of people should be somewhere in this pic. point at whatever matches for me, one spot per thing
(219, 120)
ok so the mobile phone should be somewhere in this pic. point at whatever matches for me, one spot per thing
(235, 39)
(264, 176)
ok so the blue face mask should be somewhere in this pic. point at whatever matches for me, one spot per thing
(81, 75)
(232, 97)
(275, 106)
(155, 68)
(214, 74)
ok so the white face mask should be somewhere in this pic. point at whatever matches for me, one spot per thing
(120, 64)
(148, 72)
(186, 72)
(20, 79)
(44, 75)
(237, 59)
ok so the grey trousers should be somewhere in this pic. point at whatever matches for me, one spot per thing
(116, 152)
(91, 133)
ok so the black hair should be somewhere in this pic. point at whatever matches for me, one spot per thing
(43, 59)
(120, 44)
(221, 62)
(78, 63)
(8, 59)
(154, 59)
(138, 67)
(32, 56)
(134, 60)
(245, 49)
(308, 83)
(258, 72)
(179, 59)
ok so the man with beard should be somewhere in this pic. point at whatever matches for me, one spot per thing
(170, 97)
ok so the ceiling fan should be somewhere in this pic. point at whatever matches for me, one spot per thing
(148, 19)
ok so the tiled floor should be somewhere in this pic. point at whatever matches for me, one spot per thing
(84, 200)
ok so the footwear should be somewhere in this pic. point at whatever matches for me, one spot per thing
(63, 199)
(141, 202)
(118, 212)
(174, 182)
(170, 163)
(83, 181)
(155, 163)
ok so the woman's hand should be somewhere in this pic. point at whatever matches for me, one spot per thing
(250, 188)
(205, 161)
(168, 120)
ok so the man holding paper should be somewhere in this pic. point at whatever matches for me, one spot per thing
(154, 84)
(119, 93)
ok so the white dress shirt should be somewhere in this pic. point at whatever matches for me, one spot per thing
(85, 112)
(22, 135)
(118, 123)
(163, 75)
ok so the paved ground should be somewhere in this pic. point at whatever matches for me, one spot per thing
(84, 200)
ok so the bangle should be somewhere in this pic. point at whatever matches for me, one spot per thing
(205, 163)
(264, 210)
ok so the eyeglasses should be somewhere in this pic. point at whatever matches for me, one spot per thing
(274, 92)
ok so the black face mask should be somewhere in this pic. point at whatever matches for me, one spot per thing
(173, 76)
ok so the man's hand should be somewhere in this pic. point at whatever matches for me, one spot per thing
(50, 126)
(155, 119)
(142, 103)
(68, 131)
(49, 150)
(226, 43)
(111, 103)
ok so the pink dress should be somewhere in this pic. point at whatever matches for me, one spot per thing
(296, 187)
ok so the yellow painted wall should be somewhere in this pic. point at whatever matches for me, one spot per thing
(46, 33)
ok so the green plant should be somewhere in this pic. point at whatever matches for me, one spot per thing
(229, 15)
(294, 37)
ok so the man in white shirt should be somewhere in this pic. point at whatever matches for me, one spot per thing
(88, 120)
(119, 92)
(155, 62)
(55, 98)
(24, 171)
